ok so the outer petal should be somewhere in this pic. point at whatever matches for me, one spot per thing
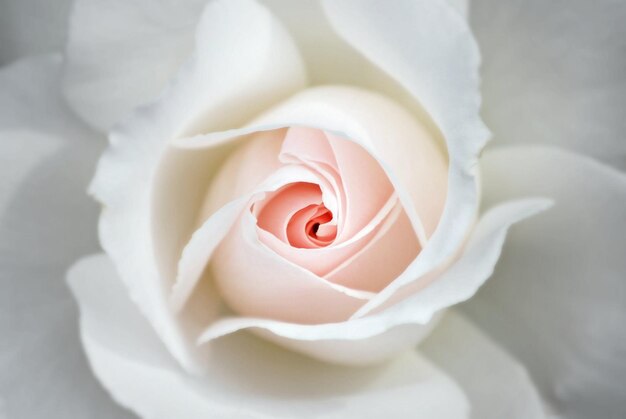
(329, 58)
(557, 300)
(217, 88)
(555, 73)
(120, 54)
(247, 378)
(496, 384)
(32, 27)
(429, 50)
(46, 222)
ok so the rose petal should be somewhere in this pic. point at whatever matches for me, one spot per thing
(243, 244)
(270, 286)
(553, 73)
(560, 283)
(430, 51)
(324, 260)
(47, 221)
(496, 384)
(406, 150)
(459, 282)
(383, 259)
(365, 184)
(122, 54)
(29, 27)
(329, 58)
(247, 377)
(216, 89)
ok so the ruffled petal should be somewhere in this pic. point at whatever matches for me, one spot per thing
(147, 215)
(247, 378)
(46, 222)
(556, 300)
(554, 74)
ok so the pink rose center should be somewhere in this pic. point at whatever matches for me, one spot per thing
(297, 213)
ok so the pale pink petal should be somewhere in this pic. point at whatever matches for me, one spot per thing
(407, 151)
(282, 207)
(324, 259)
(198, 251)
(365, 184)
(383, 259)
(255, 281)
(308, 144)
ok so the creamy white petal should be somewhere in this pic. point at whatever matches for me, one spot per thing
(458, 283)
(555, 73)
(30, 27)
(147, 213)
(557, 298)
(496, 384)
(428, 49)
(247, 378)
(46, 222)
(332, 60)
(121, 54)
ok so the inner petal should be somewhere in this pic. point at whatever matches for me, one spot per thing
(296, 215)
(303, 230)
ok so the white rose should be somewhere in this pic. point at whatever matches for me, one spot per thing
(310, 174)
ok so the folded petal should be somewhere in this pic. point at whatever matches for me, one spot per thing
(148, 216)
(247, 378)
(429, 50)
(496, 384)
(418, 308)
(556, 300)
(329, 58)
(46, 222)
(553, 74)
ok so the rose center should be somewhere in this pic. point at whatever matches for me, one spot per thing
(296, 215)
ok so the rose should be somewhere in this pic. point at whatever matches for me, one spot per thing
(114, 357)
(371, 168)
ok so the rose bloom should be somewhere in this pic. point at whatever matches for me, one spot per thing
(295, 198)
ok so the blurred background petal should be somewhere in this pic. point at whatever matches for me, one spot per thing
(32, 27)
(557, 298)
(121, 54)
(554, 72)
(483, 369)
(46, 223)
